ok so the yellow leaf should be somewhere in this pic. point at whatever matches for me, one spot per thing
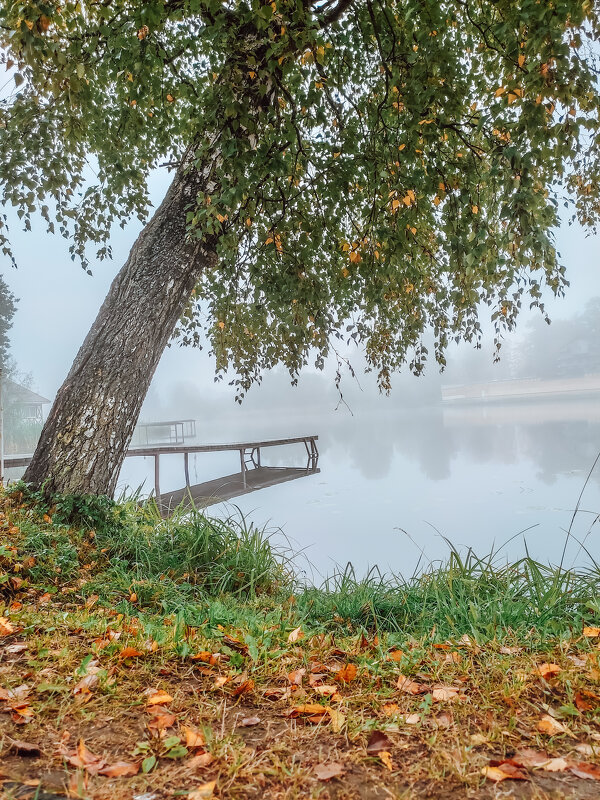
(386, 757)
(499, 91)
(222, 217)
(436, 200)
(295, 635)
(521, 60)
(203, 792)
(401, 146)
(248, 221)
(395, 204)
(170, 98)
(252, 74)
(345, 272)
(221, 325)
(338, 720)
(475, 209)
(355, 257)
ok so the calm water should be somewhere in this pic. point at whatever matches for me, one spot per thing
(394, 485)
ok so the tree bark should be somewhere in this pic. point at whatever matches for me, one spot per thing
(91, 422)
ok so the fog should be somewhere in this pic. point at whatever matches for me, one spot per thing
(478, 472)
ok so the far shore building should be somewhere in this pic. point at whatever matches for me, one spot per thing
(21, 404)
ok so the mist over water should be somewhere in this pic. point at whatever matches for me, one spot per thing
(395, 482)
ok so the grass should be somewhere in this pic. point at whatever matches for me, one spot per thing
(458, 665)
(189, 563)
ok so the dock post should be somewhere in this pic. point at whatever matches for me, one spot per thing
(243, 467)
(157, 476)
(186, 466)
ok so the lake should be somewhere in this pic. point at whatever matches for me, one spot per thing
(396, 484)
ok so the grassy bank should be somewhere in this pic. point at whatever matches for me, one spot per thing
(406, 687)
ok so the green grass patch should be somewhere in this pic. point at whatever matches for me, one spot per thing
(232, 573)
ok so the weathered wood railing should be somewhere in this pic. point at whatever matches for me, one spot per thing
(250, 455)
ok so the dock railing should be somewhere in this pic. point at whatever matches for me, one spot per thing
(250, 455)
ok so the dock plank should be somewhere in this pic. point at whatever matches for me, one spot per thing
(230, 486)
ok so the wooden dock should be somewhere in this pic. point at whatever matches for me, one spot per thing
(222, 489)
(253, 475)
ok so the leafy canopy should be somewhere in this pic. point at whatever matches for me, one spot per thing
(378, 168)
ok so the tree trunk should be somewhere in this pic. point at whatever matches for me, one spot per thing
(91, 423)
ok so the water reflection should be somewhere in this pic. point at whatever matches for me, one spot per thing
(477, 474)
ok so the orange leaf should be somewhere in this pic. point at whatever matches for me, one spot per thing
(193, 737)
(551, 726)
(386, 757)
(591, 632)
(6, 628)
(547, 670)
(395, 655)
(244, 688)
(130, 652)
(120, 769)
(158, 698)
(347, 673)
(306, 709)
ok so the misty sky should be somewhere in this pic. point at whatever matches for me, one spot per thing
(58, 302)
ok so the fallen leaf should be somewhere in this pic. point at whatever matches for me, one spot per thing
(591, 632)
(547, 670)
(120, 769)
(395, 655)
(200, 761)
(296, 634)
(86, 684)
(249, 722)
(412, 719)
(130, 652)
(24, 748)
(386, 757)
(529, 758)
(6, 627)
(162, 721)
(510, 651)
(556, 765)
(327, 690)
(347, 673)
(244, 688)
(389, 709)
(583, 770)
(583, 700)
(203, 792)
(377, 742)
(551, 726)
(325, 772)
(338, 720)
(306, 709)
(193, 738)
(15, 648)
(503, 772)
(443, 693)
(295, 677)
(409, 686)
(158, 698)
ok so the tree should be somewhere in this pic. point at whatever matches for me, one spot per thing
(362, 171)
(8, 308)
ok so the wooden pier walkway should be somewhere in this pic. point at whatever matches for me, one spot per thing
(253, 475)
